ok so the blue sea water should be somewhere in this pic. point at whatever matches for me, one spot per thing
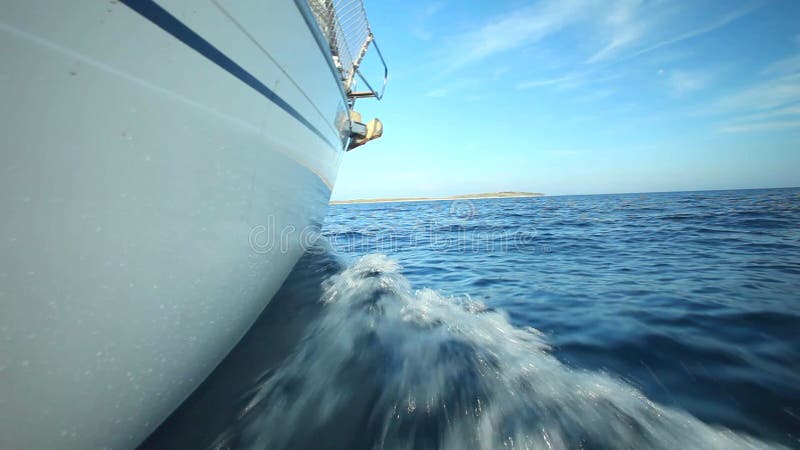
(664, 320)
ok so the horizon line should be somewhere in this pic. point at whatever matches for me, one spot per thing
(535, 194)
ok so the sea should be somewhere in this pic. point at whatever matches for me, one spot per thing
(655, 320)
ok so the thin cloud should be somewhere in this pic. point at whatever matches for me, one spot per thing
(499, 72)
(719, 23)
(773, 119)
(683, 82)
(597, 94)
(767, 105)
(512, 31)
(760, 126)
(568, 80)
(420, 26)
(788, 111)
(629, 23)
(773, 93)
(785, 66)
(624, 27)
(437, 93)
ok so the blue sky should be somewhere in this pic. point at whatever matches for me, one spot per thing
(581, 97)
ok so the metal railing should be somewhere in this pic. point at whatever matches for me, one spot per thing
(344, 23)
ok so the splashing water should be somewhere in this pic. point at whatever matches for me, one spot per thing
(383, 366)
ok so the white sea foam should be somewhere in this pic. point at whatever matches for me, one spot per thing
(387, 367)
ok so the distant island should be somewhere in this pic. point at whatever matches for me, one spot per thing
(505, 194)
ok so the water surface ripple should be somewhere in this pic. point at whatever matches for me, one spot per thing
(665, 320)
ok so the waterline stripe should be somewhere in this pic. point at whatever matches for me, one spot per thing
(151, 11)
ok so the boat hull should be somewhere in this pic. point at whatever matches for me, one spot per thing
(153, 201)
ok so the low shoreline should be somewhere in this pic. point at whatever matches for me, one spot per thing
(439, 199)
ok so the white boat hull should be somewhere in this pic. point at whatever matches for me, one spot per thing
(152, 202)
